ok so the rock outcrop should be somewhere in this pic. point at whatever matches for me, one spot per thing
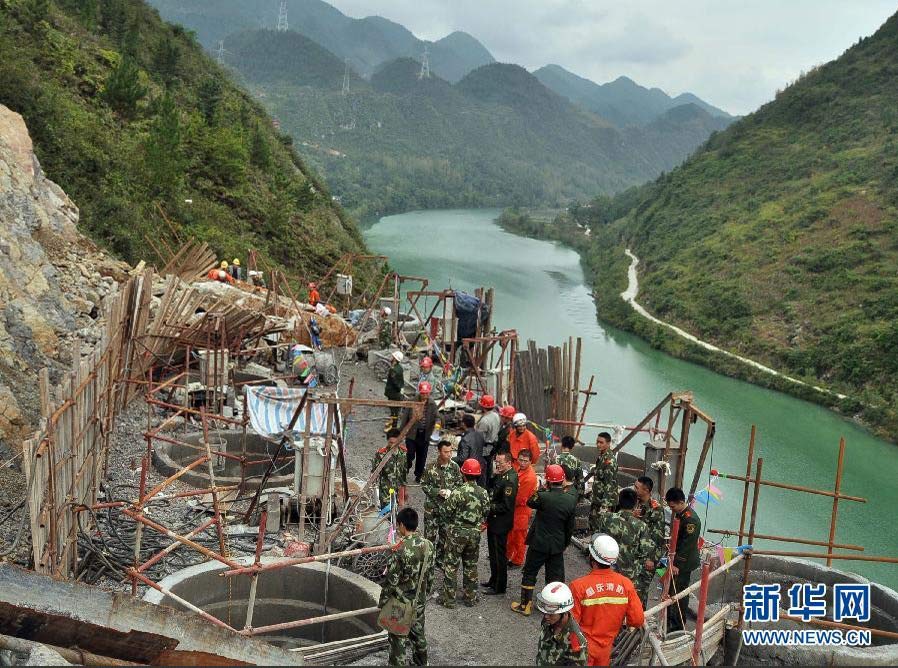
(52, 280)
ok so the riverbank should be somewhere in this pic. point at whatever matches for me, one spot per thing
(607, 266)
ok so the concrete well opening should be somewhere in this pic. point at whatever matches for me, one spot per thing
(169, 458)
(283, 595)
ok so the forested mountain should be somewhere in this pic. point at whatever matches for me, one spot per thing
(368, 43)
(128, 114)
(496, 137)
(779, 238)
(622, 101)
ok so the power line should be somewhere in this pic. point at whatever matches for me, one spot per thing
(282, 17)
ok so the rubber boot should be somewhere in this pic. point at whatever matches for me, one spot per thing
(525, 605)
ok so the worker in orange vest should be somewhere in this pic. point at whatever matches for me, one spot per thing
(516, 549)
(221, 274)
(314, 295)
(521, 438)
(603, 600)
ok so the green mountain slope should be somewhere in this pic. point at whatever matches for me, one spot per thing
(497, 137)
(779, 239)
(622, 101)
(367, 42)
(128, 113)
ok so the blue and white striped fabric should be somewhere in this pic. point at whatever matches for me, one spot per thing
(270, 410)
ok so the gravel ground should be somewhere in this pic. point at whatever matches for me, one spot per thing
(487, 634)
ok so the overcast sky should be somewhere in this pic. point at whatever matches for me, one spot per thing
(732, 53)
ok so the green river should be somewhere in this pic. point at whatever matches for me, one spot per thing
(540, 291)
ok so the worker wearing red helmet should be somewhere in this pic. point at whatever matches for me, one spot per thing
(488, 425)
(417, 439)
(549, 536)
(467, 508)
(314, 295)
(426, 374)
(521, 438)
(506, 415)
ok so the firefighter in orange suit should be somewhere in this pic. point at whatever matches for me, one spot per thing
(604, 600)
(516, 549)
(520, 438)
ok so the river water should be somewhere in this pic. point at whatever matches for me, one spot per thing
(540, 291)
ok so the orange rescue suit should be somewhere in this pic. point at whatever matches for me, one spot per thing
(526, 441)
(216, 275)
(602, 601)
(522, 514)
(314, 297)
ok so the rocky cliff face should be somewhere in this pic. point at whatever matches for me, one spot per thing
(52, 280)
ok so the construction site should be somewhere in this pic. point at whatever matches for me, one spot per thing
(189, 502)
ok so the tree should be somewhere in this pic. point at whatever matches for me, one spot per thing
(114, 19)
(123, 88)
(165, 161)
(209, 96)
(166, 58)
(259, 151)
(33, 12)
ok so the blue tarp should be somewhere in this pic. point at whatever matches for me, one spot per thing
(270, 410)
(466, 306)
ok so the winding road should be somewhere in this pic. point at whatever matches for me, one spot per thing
(629, 296)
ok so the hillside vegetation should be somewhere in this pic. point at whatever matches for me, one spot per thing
(495, 138)
(127, 114)
(779, 238)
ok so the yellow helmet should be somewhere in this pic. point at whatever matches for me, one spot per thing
(224, 264)
(236, 262)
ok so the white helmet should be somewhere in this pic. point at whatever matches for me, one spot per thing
(519, 419)
(397, 355)
(555, 598)
(604, 549)
(388, 311)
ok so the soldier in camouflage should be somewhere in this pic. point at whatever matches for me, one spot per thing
(439, 479)
(393, 474)
(573, 467)
(604, 486)
(652, 513)
(466, 509)
(561, 642)
(631, 535)
(409, 556)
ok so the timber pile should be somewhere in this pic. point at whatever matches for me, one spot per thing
(547, 382)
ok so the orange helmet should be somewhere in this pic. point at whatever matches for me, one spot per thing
(554, 473)
(424, 387)
(472, 467)
(507, 412)
(487, 401)
(426, 364)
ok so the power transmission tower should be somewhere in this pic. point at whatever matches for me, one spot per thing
(425, 65)
(221, 51)
(282, 17)
(346, 79)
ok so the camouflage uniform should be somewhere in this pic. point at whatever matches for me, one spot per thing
(435, 478)
(466, 509)
(631, 535)
(408, 557)
(652, 513)
(566, 647)
(573, 469)
(604, 490)
(392, 475)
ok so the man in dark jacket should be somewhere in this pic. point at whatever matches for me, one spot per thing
(418, 438)
(687, 557)
(471, 447)
(549, 536)
(395, 383)
(499, 522)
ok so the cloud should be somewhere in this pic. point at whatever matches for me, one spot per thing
(732, 53)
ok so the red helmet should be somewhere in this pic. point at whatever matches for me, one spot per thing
(424, 387)
(507, 412)
(554, 473)
(487, 401)
(426, 363)
(472, 467)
